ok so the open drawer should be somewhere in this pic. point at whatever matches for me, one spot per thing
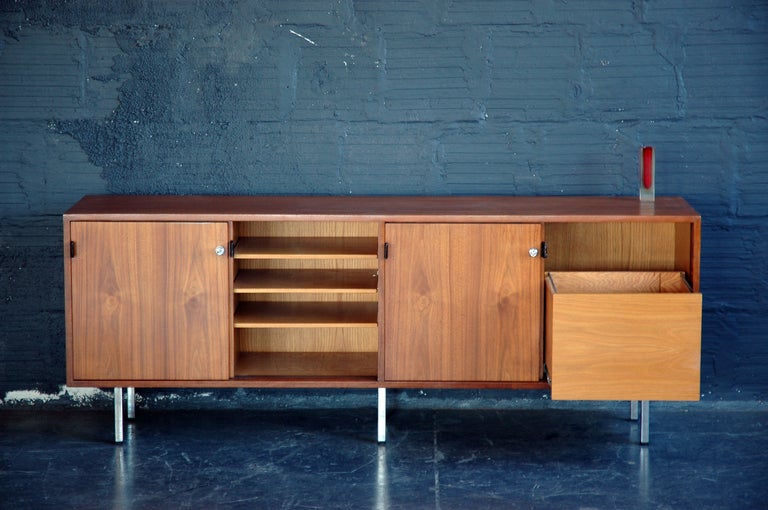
(622, 336)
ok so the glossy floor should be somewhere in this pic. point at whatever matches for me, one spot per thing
(579, 456)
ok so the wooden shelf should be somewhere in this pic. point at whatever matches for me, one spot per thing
(307, 364)
(305, 314)
(307, 248)
(260, 281)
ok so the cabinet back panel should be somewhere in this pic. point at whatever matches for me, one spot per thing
(328, 296)
(628, 246)
(308, 340)
(309, 264)
(307, 229)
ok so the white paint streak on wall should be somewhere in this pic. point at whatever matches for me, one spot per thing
(79, 396)
(310, 41)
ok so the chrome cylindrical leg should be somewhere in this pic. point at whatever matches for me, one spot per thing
(131, 402)
(382, 428)
(633, 410)
(118, 415)
(644, 421)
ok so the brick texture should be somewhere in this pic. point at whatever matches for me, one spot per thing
(398, 97)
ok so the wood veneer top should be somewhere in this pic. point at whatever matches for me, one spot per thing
(379, 208)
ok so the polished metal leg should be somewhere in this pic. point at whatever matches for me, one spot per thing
(633, 413)
(382, 428)
(118, 415)
(131, 402)
(644, 421)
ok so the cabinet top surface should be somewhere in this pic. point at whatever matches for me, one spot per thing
(379, 208)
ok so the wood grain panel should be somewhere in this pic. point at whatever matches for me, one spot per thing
(307, 248)
(303, 314)
(611, 246)
(150, 301)
(463, 302)
(266, 281)
(623, 346)
(502, 209)
(287, 365)
(350, 339)
(329, 230)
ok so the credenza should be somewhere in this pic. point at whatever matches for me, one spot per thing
(591, 298)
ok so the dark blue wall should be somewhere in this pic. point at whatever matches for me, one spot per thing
(384, 97)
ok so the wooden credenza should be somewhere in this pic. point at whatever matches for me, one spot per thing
(594, 297)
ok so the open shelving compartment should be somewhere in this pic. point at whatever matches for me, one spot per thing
(306, 301)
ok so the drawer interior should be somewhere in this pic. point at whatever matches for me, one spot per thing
(617, 282)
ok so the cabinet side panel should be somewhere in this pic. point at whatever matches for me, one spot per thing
(548, 325)
(688, 251)
(67, 236)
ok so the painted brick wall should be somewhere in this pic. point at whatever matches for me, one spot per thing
(384, 97)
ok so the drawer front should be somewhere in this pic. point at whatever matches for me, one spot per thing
(634, 346)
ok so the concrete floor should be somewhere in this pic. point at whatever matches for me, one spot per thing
(581, 455)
